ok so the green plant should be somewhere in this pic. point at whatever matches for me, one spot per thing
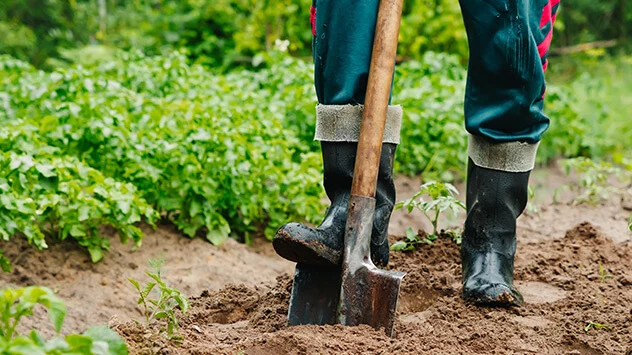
(164, 306)
(412, 240)
(5, 264)
(603, 274)
(42, 194)
(200, 149)
(120, 142)
(630, 223)
(456, 234)
(531, 206)
(18, 303)
(441, 198)
(593, 325)
(595, 184)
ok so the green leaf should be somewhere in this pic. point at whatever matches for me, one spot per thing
(161, 315)
(398, 246)
(23, 346)
(183, 303)
(195, 208)
(79, 343)
(56, 309)
(84, 214)
(96, 253)
(47, 170)
(148, 287)
(135, 283)
(156, 278)
(411, 236)
(77, 230)
(5, 264)
(106, 341)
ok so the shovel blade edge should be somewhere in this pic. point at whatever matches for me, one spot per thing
(370, 296)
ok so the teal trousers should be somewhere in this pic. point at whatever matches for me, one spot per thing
(509, 42)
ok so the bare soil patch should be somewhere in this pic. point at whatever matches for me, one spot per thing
(560, 278)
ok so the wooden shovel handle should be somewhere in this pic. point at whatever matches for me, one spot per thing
(377, 97)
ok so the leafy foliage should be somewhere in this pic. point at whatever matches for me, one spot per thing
(433, 139)
(165, 305)
(229, 32)
(595, 182)
(41, 193)
(442, 198)
(116, 141)
(18, 303)
(111, 144)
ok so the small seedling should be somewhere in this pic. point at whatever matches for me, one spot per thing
(15, 304)
(164, 306)
(593, 325)
(455, 235)
(593, 186)
(442, 198)
(412, 239)
(531, 206)
(603, 273)
(630, 223)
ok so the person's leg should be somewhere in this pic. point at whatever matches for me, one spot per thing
(342, 45)
(509, 42)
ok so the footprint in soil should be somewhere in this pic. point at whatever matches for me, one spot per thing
(412, 307)
(539, 292)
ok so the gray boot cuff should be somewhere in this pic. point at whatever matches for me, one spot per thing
(512, 157)
(341, 123)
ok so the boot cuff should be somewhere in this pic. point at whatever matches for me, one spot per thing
(341, 123)
(515, 157)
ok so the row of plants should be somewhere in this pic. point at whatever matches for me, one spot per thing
(137, 138)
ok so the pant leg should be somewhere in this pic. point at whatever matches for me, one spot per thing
(509, 42)
(343, 33)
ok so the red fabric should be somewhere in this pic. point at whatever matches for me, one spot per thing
(546, 15)
(544, 46)
(312, 19)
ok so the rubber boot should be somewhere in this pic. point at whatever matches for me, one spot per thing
(324, 244)
(495, 199)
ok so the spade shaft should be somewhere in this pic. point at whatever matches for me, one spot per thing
(377, 98)
(369, 295)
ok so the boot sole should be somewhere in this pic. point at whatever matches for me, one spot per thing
(504, 300)
(300, 251)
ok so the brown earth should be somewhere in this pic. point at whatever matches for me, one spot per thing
(94, 293)
(561, 281)
(241, 293)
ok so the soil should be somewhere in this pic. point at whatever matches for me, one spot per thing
(94, 293)
(573, 266)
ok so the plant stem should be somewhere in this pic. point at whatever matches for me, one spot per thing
(435, 222)
(160, 304)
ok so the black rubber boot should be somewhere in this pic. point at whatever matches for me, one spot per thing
(323, 245)
(494, 200)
